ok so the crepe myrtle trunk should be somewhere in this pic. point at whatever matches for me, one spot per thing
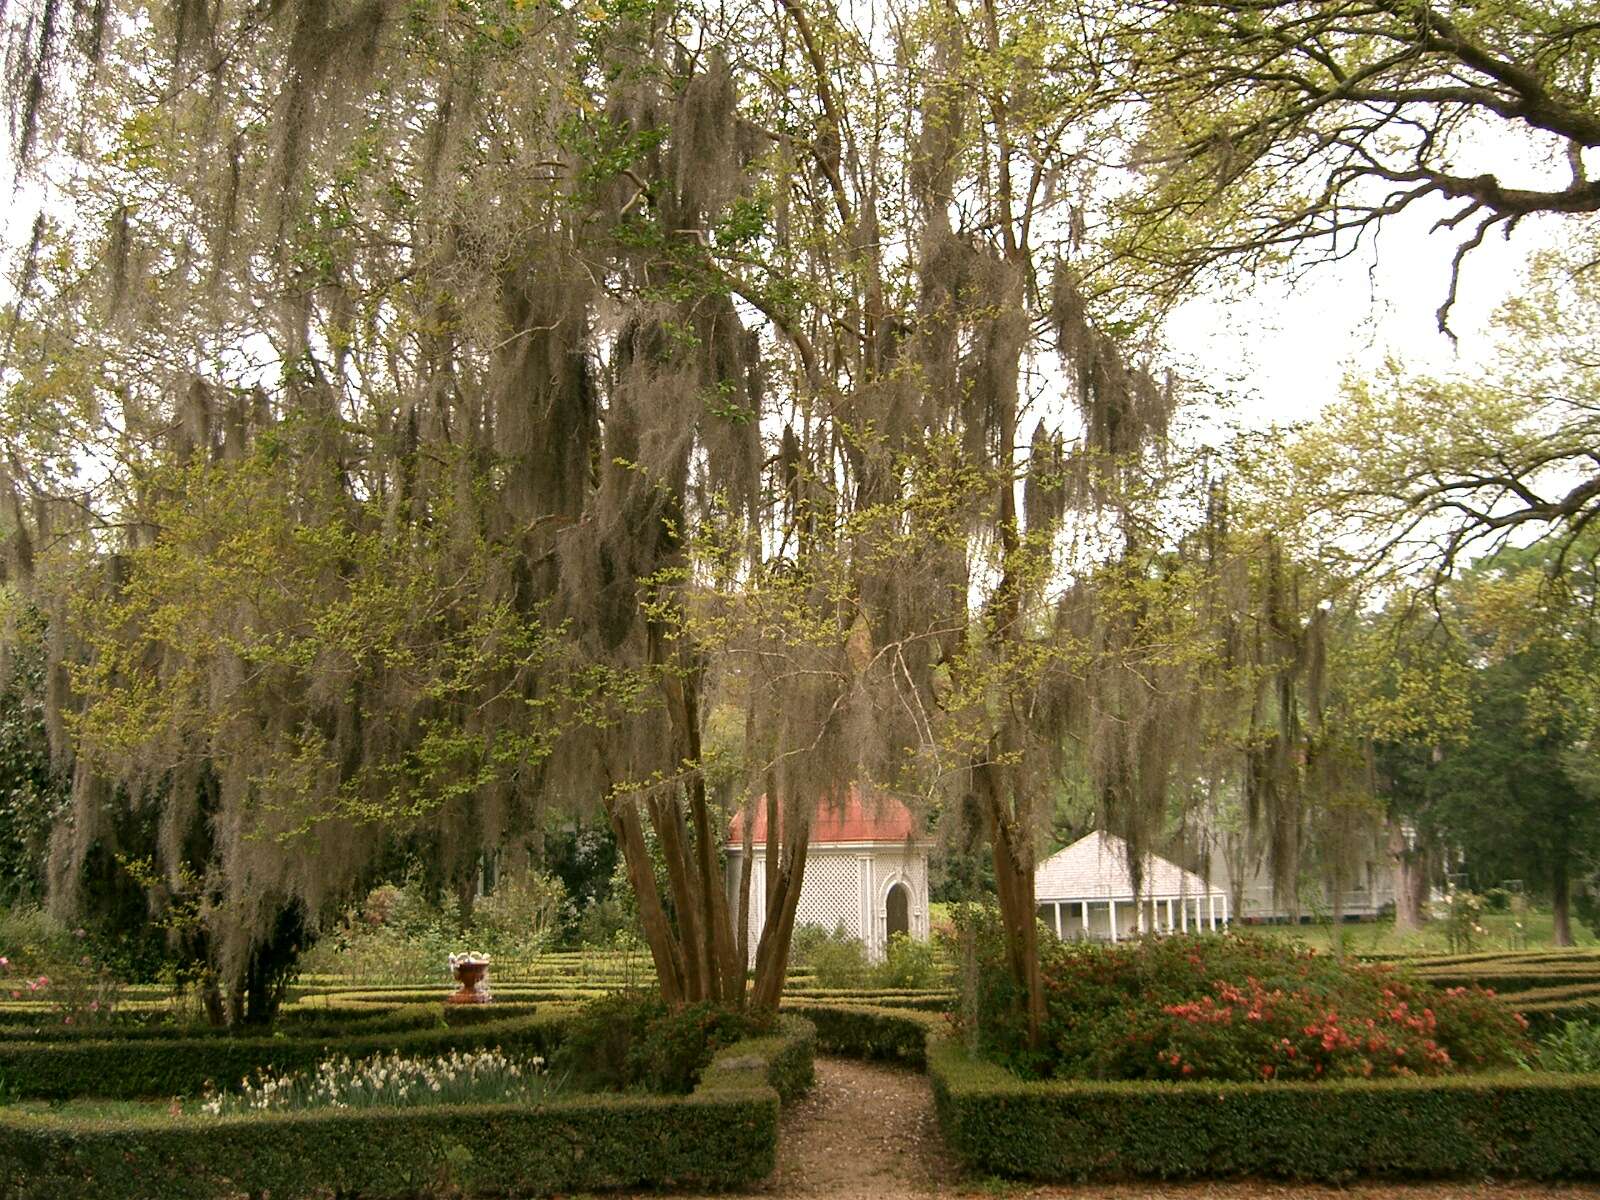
(693, 946)
(691, 933)
(783, 899)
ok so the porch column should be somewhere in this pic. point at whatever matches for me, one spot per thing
(1169, 915)
(1112, 906)
(1225, 916)
(1083, 912)
(1211, 911)
(1057, 907)
(1183, 912)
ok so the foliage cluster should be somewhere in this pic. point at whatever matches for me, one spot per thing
(633, 1042)
(839, 960)
(33, 790)
(42, 961)
(477, 1133)
(1240, 1008)
(401, 934)
(867, 1030)
(1574, 1048)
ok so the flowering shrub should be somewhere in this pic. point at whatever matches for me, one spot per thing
(1241, 1008)
(390, 1081)
(43, 961)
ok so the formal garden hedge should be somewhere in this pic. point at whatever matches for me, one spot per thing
(868, 1031)
(1535, 1126)
(1549, 988)
(724, 1134)
(110, 1066)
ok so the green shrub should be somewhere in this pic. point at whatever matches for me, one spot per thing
(908, 963)
(631, 1041)
(521, 915)
(1540, 1126)
(807, 936)
(1575, 1048)
(783, 1060)
(721, 1140)
(1235, 1008)
(839, 961)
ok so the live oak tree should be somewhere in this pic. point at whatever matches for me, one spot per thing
(1263, 128)
(1411, 476)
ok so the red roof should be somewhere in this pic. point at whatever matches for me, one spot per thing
(884, 819)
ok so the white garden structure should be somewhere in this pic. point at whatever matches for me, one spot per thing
(866, 871)
(1086, 891)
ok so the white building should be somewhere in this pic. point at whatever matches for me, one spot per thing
(1086, 891)
(866, 870)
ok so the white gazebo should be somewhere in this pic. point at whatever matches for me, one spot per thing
(866, 871)
(1086, 891)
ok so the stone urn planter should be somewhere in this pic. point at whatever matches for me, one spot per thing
(471, 972)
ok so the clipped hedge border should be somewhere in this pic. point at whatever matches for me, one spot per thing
(864, 1031)
(298, 1023)
(1547, 1017)
(1536, 1126)
(1508, 983)
(136, 1068)
(722, 1135)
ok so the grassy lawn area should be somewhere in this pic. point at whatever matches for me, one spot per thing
(1379, 937)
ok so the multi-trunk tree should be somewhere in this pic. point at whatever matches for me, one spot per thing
(424, 415)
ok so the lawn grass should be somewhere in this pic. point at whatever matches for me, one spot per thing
(1380, 937)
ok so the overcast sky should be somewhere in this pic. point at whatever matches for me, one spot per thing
(1282, 351)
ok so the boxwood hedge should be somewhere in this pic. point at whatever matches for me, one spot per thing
(722, 1135)
(1539, 1126)
(865, 1031)
(112, 1067)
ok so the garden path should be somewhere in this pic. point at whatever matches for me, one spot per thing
(867, 1132)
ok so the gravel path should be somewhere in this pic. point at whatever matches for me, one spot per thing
(864, 1130)
(867, 1132)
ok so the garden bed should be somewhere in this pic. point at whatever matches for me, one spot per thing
(723, 1134)
(112, 1067)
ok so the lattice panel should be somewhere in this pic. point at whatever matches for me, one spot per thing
(831, 894)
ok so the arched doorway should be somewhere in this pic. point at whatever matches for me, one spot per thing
(898, 910)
